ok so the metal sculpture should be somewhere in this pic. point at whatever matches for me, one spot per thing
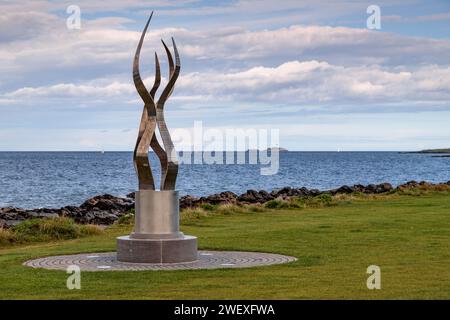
(152, 117)
(156, 237)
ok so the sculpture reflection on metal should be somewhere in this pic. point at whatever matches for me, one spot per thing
(152, 118)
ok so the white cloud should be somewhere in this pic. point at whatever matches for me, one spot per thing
(312, 82)
(46, 46)
(69, 90)
(88, 5)
(294, 83)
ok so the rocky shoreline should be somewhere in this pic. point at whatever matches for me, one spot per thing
(106, 209)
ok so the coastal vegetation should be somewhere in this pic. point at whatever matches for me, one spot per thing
(335, 238)
(41, 230)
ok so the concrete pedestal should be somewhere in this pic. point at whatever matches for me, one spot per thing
(157, 251)
(156, 237)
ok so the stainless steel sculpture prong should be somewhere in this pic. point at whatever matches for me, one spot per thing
(152, 117)
(170, 171)
(148, 123)
(154, 143)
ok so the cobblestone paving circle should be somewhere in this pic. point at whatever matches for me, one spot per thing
(206, 260)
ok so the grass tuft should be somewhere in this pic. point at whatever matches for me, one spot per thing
(126, 219)
(207, 206)
(61, 228)
(6, 236)
(277, 204)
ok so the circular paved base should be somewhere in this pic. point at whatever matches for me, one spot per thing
(206, 260)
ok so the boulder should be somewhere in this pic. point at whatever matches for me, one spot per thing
(371, 188)
(251, 196)
(266, 196)
(188, 201)
(343, 190)
(303, 192)
(41, 214)
(315, 192)
(10, 213)
(409, 184)
(10, 223)
(226, 197)
(358, 188)
(384, 187)
(108, 202)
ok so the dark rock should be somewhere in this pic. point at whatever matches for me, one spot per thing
(371, 188)
(188, 201)
(274, 193)
(286, 191)
(384, 187)
(266, 196)
(102, 217)
(251, 196)
(302, 192)
(9, 213)
(409, 184)
(315, 192)
(10, 223)
(343, 190)
(220, 198)
(226, 197)
(358, 188)
(108, 202)
(41, 214)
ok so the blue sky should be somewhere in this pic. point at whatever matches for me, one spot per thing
(311, 69)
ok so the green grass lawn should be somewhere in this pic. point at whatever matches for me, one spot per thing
(408, 237)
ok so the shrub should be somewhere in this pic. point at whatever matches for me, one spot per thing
(324, 198)
(207, 206)
(276, 204)
(255, 208)
(230, 208)
(90, 230)
(127, 218)
(191, 213)
(6, 236)
(60, 228)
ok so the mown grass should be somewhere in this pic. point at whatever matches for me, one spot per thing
(334, 238)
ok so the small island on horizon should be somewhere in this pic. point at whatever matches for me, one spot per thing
(273, 149)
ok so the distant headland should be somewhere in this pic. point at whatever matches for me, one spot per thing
(445, 151)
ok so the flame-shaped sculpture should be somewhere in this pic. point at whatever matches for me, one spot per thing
(152, 118)
(156, 237)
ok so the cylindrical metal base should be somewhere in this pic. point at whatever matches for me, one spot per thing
(157, 251)
(157, 215)
(156, 237)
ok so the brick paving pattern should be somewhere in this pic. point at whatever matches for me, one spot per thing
(206, 260)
